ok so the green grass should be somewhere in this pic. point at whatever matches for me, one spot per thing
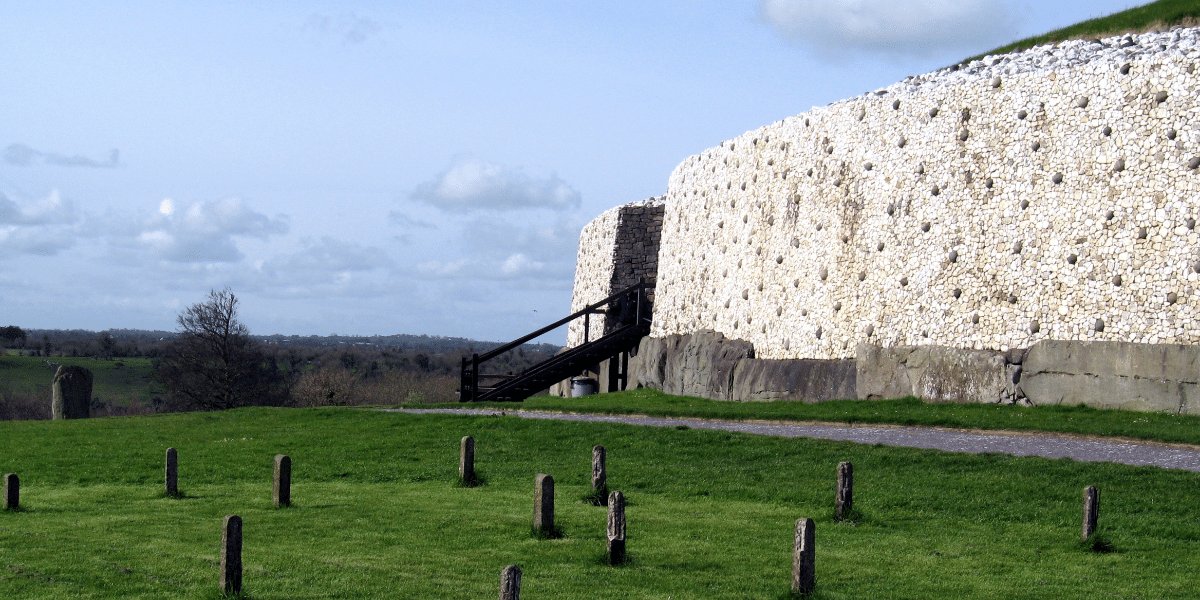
(1079, 420)
(1154, 16)
(119, 380)
(378, 513)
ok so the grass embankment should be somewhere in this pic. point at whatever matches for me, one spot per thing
(1155, 16)
(1078, 420)
(118, 381)
(711, 514)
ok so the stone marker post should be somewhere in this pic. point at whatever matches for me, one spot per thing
(616, 528)
(171, 473)
(282, 488)
(804, 576)
(599, 474)
(231, 556)
(12, 492)
(510, 583)
(543, 505)
(71, 393)
(466, 461)
(844, 500)
(1091, 511)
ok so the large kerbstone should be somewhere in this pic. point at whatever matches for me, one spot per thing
(1150, 377)
(71, 393)
(709, 365)
(808, 380)
(936, 373)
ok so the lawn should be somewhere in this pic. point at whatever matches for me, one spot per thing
(1079, 420)
(378, 514)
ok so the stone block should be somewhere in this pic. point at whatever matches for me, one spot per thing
(71, 393)
(934, 373)
(1144, 377)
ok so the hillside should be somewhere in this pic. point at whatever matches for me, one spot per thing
(1155, 16)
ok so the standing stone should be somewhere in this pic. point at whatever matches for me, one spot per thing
(616, 528)
(1091, 511)
(543, 505)
(282, 488)
(231, 556)
(510, 583)
(12, 492)
(804, 575)
(599, 474)
(71, 393)
(171, 473)
(466, 461)
(844, 500)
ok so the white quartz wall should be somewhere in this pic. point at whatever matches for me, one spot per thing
(1048, 194)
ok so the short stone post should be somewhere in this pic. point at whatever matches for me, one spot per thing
(616, 528)
(510, 583)
(282, 488)
(12, 492)
(231, 555)
(543, 506)
(599, 475)
(844, 500)
(804, 576)
(466, 462)
(171, 473)
(71, 393)
(1091, 511)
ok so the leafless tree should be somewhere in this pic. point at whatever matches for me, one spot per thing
(214, 364)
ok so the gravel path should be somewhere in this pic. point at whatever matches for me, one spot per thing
(1048, 445)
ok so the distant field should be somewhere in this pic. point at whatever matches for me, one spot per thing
(1155, 16)
(117, 381)
(377, 513)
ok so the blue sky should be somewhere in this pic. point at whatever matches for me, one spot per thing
(396, 167)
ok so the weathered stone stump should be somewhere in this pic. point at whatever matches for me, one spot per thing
(171, 473)
(1091, 511)
(12, 491)
(804, 575)
(466, 462)
(71, 393)
(231, 556)
(282, 487)
(616, 528)
(543, 506)
(844, 500)
(599, 475)
(510, 583)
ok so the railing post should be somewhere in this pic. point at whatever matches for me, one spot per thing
(587, 321)
(474, 377)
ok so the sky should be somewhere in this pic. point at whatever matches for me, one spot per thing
(421, 167)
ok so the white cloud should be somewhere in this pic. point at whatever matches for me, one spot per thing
(21, 155)
(205, 231)
(52, 210)
(519, 264)
(912, 27)
(348, 27)
(43, 228)
(474, 185)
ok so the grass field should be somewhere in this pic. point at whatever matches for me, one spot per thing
(118, 381)
(1153, 16)
(711, 514)
(1065, 419)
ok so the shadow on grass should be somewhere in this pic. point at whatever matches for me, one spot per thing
(852, 518)
(477, 481)
(1099, 543)
(555, 533)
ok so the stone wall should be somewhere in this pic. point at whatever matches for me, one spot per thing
(616, 249)
(1050, 194)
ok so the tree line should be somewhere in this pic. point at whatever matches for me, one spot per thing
(212, 361)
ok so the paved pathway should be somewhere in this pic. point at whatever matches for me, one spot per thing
(1049, 445)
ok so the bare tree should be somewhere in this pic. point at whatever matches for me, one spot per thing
(213, 363)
